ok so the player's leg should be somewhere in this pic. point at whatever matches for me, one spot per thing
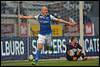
(68, 56)
(40, 42)
(81, 55)
(37, 55)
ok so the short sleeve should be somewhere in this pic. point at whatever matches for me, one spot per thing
(36, 17)
(53, 18)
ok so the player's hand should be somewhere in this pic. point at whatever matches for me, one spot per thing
(19, 16)
(71, 24)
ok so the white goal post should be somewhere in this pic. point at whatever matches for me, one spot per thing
(81, 7)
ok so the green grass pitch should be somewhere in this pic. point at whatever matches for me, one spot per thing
(89, 62)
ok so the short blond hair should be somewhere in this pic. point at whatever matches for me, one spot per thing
(72, 38)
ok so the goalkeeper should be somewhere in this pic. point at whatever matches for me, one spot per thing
(74, 50)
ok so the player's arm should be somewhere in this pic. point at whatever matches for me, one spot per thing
(71, 54)
(29, 17)
(62, 21)
(69, 50)
(71, 20)
(67, 22)
(79, 50)
(26, 17)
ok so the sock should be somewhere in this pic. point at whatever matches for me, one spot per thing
(80, 58)
(82, 55)
(37, 56)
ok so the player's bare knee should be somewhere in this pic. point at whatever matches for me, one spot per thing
(40, 46)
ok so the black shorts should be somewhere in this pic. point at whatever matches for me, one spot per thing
(69, 58)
